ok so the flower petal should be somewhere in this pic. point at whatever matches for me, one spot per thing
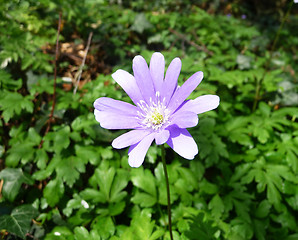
(112, 120)
(129, 85)
(162, 137)
(185, 90)
(138, 151)
(171, 79)
(112, 105)
(182, 143)
(157, 70)
(143, 78)
(129, 138)
(201, 104)
(185, 119)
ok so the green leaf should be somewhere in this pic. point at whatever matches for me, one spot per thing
(58, 140)
(119, 183)
(38, 84)
(286, 219)
(19, 221)
(261, 133)
(270, 176)
(144, 199)
(87, 153)
(145, 181)
(104, 226)
(13, 180)
(81, 233)
(143, 228)
(60, 232)
(6, 81)
(207, 187)
(22, 151)
(216, 206)
(41, 158)
(241, 228)
(69, 169)
(260, 228)
(116, 209)
(93, 195)
(201, 229)
(12, 103)
(22, 147)
(237, 131)
(53, 191)
(263, 209)
(161, 184)
(111, 184)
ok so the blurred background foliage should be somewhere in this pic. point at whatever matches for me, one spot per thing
(68, 182)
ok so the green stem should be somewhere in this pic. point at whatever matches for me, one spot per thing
(257, 94)
(163, 158)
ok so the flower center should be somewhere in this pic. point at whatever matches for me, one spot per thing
(154, 116)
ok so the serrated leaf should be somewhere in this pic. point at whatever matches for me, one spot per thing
(7, 82)
(216, 206)
(104, 226)
(143, 228)
(201, 229)
(19, 221)
(242, 228)
(69, 169)
(12, 103)
(286, 219)
(58, 140)
(144, 199)
(93, 195)
(269, 176)
(88, 153)
(41, 158)
(184, 191)
(53, 191)
(111, 185)
(116, 209)
(207, 187)
(119, 183)
(144, 180)
(242, 209)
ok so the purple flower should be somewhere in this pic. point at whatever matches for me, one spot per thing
(161, 111)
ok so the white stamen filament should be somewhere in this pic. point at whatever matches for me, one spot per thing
(154, 116)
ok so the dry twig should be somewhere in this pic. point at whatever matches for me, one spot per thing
(55, 80)
(83, 63)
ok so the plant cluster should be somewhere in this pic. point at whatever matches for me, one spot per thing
(68, 182)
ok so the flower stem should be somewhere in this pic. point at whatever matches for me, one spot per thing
(163, 158)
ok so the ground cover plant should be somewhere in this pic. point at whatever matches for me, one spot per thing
(61, 179)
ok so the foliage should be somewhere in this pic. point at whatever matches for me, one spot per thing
(69, 183)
